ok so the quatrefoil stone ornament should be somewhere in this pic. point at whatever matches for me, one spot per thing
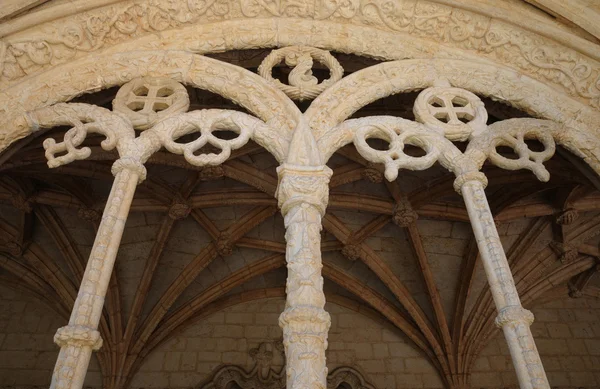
(454, 111)
(303, 85)
(148, 100)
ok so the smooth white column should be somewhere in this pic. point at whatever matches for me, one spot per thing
(303, 194)
(80, 337)
(514, 320)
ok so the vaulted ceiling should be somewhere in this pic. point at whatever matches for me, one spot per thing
(200, 239)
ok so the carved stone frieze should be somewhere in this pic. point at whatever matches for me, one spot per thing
(429, 21)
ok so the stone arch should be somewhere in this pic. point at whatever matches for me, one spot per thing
(424, 28)
(350, 94)
(65, 82)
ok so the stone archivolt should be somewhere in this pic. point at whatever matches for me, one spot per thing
(461, 29)
(447, 110)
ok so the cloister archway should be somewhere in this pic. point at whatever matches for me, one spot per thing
(421, 80)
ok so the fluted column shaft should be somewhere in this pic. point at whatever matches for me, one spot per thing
(303, 193)
(514, 320)
(80, 337)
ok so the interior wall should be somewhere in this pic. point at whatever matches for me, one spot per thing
(567, 335)
(383, 355)
(27, 349)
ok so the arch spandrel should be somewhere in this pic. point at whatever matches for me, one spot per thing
(63, 83)
(363, 87)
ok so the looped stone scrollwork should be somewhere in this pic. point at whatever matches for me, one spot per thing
(210, 124)
(398, 137)
(528, 159)
(454, 111)
(84, 119)
(303, 85)
(148, 100)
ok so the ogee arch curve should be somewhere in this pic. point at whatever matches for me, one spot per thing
(343, 99)
(63, 83)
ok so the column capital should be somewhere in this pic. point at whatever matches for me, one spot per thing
(80, 336)
(132, 164)
(301, 319)
(303, 184)
(469, 176)
(514, 314)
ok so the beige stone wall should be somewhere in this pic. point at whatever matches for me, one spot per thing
(378, 351)
(567, 333)
(27, 351)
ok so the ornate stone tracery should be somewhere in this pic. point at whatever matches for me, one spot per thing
(444, 112)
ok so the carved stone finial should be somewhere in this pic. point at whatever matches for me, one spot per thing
(372, 174)
(89, 214)
(352, 252)
(568, 216)
(404, 215)
(224, 247)
(180, 209)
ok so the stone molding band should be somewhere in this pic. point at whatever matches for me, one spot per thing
(80, 336)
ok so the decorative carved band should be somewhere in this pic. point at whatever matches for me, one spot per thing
(514, 314)
(80, 336)
(303, 185)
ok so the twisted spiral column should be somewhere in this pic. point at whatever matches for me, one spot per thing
(513, 319)
(303, 194)
(80, 337)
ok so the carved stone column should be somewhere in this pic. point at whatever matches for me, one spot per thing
(512, 318)
(81, 335)
(303, 194)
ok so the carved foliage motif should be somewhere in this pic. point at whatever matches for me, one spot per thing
(532, 53)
